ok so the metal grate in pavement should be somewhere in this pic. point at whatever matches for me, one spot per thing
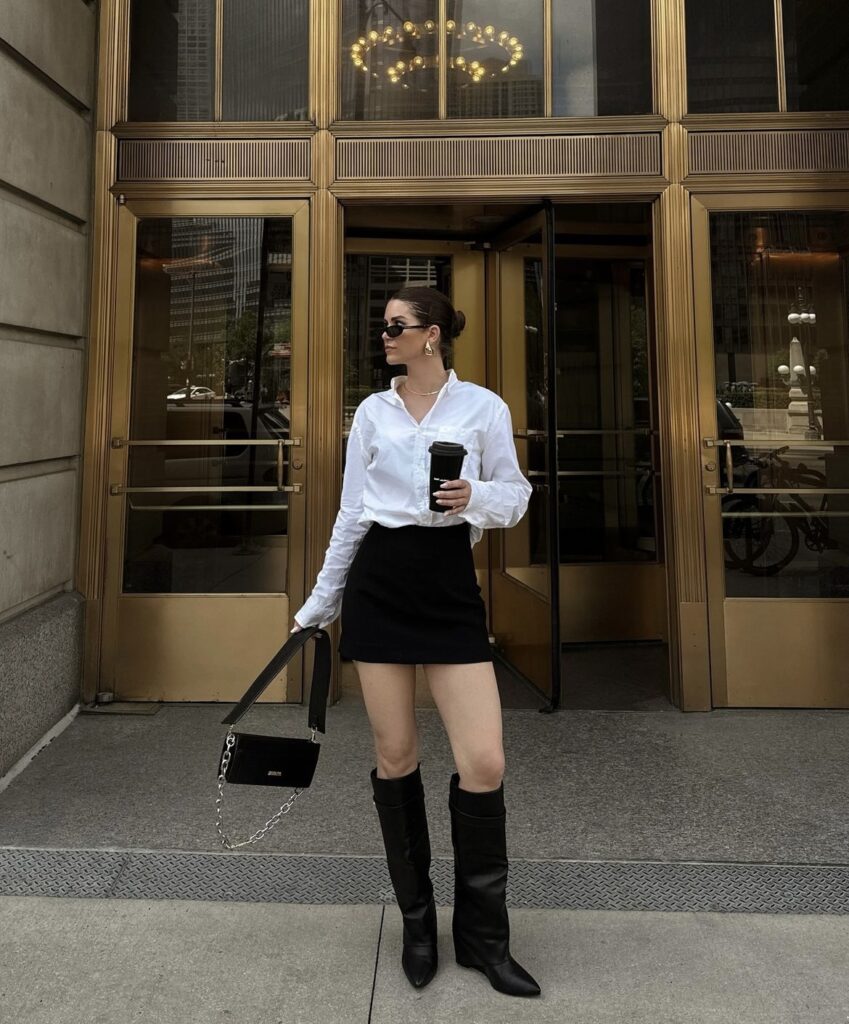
(278, 878)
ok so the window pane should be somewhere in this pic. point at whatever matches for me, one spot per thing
(495, 59)
(370, 281)
(602, 57)
(731, 56)
(265, 74)
(389, 60)
(816, 53)
(781, 338)
(172, 60)
(212, 347)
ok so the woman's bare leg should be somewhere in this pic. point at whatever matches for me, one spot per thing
(468, 702)
(389, 693)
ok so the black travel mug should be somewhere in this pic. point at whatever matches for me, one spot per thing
(446, 462)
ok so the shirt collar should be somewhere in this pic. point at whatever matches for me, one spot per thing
(392, 394)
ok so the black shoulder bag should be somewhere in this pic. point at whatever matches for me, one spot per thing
(253, 760)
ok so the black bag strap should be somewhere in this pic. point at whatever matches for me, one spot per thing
(320, 677)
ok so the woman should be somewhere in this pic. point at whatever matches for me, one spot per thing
(405, 580)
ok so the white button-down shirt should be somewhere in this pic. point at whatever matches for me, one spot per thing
(387, 476)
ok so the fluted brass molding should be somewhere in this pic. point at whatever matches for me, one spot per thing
(218, 48)
(680, 454)
(112, 63)
(214, 159)
(94, 489)
(786, 199)
(497, 157)
(631, 125)
(681, 446)
(781, 71)
(675, 154)
(110, 106)
(769, 152)
(442, 58)
(457, 128)
(548, 57)
(642, 189)
(669, 48)
(687, 617)
(209, 130)
(325, 20)
(757, 184)
(767, 120)
(323, 449)
(234, 191)
(705, 400)
(677, 348)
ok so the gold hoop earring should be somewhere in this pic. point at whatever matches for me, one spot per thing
(428, 348)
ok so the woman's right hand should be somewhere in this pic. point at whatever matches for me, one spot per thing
(296, 628)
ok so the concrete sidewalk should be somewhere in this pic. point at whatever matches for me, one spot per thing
(78, 961)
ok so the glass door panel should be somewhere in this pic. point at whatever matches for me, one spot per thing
(204, 488)
(524, 581)
(611, 562)
(777, 452)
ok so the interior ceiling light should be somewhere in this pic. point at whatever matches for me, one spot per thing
(485, 51)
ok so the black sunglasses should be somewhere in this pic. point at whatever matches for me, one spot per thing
(394, 330)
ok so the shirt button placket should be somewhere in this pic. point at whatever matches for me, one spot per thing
(423, 477)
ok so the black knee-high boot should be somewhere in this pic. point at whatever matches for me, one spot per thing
(403, 822)
(480, 925)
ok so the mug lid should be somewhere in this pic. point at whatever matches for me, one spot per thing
(447, 448)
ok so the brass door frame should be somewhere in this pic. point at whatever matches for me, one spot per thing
(118, 400)
(702, 205)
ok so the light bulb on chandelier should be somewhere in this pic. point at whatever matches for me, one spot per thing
(483, 38)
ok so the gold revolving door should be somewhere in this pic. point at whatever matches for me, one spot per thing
(525, 610)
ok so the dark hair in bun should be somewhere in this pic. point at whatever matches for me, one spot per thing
(432, 307)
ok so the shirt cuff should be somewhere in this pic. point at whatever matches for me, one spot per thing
(313, 613)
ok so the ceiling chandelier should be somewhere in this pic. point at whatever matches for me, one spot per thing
(490, 51)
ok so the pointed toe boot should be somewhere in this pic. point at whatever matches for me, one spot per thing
(480, 925)
(401, 810)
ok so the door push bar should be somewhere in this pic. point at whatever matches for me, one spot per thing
(123, 442)
(117, 489)
(281, 444)
(710, 442)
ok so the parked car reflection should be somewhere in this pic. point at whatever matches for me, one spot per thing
(195, 393)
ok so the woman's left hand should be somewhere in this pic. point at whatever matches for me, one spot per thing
(454, 495)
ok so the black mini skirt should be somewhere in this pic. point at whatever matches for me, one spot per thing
(411, 598)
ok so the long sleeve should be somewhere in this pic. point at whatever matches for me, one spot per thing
(325, 601)
(500, 498)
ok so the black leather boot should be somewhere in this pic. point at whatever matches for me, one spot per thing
(480, 925)
(403, 822)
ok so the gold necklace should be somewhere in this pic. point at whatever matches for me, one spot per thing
(424, 394)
